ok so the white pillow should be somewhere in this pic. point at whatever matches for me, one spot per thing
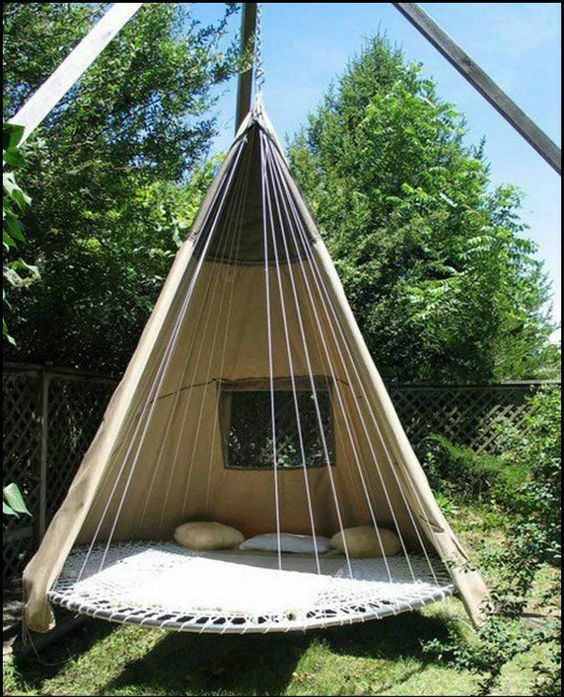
(301, 544)
(207, 535)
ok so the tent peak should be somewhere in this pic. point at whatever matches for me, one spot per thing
(258, 116)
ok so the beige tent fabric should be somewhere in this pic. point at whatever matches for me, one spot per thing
(41, 572)
(137, 484)
(414, 482)
(190, 480)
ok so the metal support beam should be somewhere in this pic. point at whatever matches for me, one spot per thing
(72, 68)
(481, 81)
(245, 83)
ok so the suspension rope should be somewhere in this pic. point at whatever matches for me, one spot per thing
(289, 352)
(382, 480)
(188, 356)
(282, 223)
(311, 305)
(312, 383)
(213, 276)
(270, 358)
(233, 212)
(170, 349)
(318, 278)
(239, 228)
(259, 68)
(161, 371)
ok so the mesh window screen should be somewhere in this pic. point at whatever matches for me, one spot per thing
(246, 419)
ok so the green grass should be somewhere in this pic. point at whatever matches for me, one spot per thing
(367, 659)
(384, 657)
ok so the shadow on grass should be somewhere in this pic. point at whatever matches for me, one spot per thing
(390, 638)
(252, 664)
(394, 645)
(34, 668)
(264, 664)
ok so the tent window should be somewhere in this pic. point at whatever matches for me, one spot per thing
(246, 421)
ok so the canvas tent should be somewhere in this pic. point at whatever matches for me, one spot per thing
(251, 399)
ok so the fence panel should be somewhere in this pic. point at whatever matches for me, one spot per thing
(21, 457)
(76, 407)
(51, 416)
(465, 414)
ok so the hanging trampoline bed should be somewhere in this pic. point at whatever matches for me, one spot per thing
(251, 400)
(163, 585)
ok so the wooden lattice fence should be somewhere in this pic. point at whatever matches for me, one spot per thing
(465, 414)
(50, 417)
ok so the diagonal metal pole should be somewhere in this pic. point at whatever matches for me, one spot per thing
(482, 82)
(72, 68)
(245, 83)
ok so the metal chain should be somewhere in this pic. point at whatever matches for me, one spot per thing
(259, 69)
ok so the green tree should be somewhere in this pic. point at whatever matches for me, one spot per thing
(114, 172)
(15, 271)
(433, 258)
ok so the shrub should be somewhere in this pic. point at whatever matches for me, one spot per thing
(457, 470)
(533, 538)
(537, 451)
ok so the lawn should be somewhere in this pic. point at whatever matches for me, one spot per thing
(384, 657)
(381, 657)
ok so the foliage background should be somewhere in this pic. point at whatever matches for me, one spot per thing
(115, 172)
(520, 489)
(434, 259)
(16, 273)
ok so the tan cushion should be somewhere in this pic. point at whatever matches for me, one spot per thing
(362, 541)
(203, 535)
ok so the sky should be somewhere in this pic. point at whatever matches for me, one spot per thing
(307, 45)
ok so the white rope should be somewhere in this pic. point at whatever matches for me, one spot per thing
(312, 383)
(347, 419)
(179, 440)
(288, 347)
(318, 278)
(177, 396)
(276, 195)
(368, 439)
(238, 225)
(168, 352)
(270, 361)
(177, 393)
(215, 274)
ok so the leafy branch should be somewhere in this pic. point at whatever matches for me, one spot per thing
(17, 273)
